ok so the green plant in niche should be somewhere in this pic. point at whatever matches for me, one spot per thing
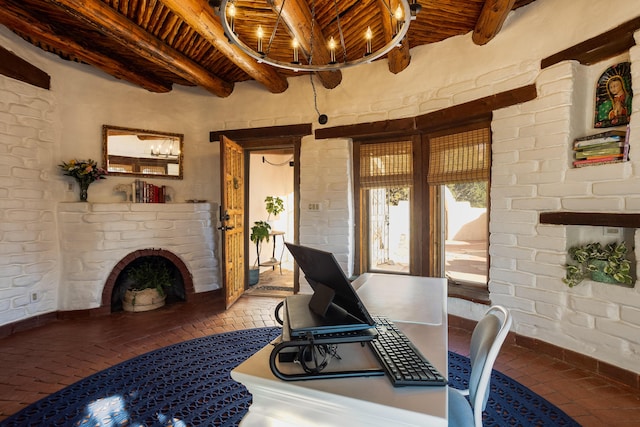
(593, 259)
(151, 273)
(274, 205)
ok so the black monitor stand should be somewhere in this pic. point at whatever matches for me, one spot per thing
(321, 299)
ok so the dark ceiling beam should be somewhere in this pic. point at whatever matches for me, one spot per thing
(476, 110)
(198, 14)
(298, 18)
(492, 16)
(17, 68)
(611, 43)
(268, 132)
(23, 22)
(106, 20)
(437, 120)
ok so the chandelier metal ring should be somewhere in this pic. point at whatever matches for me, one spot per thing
(401, 27)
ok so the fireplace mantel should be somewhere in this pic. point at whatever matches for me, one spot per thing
(626, 220)
(96, 237)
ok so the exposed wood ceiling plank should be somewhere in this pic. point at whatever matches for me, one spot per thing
(198, 14)
(493, 14)
(22, 21)
(124, 32)
(297, 16)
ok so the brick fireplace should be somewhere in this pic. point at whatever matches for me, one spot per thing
(116, 285)
(99, 240)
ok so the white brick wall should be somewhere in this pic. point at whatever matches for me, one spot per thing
(326, 179)
(531, 164)
(94, 237)
(533, 174)
(29, 261)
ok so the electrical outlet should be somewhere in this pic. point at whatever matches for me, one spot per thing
(314, 206)
(611, 231)
(35, 296)
(69, 187)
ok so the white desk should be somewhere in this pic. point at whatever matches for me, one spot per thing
(418, 306)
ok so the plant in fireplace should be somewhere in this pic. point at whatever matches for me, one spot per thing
(149, 279)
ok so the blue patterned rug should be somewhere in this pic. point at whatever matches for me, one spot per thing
(188, 384)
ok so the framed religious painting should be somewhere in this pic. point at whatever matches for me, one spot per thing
(613, 96)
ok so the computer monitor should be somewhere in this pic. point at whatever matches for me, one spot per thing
(330, 284)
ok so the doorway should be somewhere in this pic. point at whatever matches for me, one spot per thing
(271, 175)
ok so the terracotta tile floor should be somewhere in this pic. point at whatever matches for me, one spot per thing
(40, 361)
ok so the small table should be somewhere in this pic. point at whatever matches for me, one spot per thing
(273, 261)
(418, 306)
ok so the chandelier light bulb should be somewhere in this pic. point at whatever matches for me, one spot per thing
(295, 45)
(398, 16)
(368, 35)
(332, 50)
(231, 13)
(260, 36)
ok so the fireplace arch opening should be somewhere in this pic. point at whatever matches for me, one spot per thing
(118, 281)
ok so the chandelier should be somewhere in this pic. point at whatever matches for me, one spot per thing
(299, 35)
(166, 149)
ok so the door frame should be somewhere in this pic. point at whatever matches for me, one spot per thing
(265, 138)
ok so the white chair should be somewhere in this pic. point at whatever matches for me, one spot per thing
(486, 340)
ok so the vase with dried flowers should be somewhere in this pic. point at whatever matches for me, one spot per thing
(85, 172)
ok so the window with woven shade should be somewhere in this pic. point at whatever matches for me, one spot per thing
(458, 173)
(386, 165)
(385, 180)
(460, 157)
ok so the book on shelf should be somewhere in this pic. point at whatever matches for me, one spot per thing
(585, 154)
(599, 160)
(607, 134)
(579, 145)
(601, 148)
(625, 149)
(145, 192)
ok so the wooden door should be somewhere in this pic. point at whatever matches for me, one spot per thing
(232, 219)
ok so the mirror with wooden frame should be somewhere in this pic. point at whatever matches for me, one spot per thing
(139, 152)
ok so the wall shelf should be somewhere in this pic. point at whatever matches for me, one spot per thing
(591, 218)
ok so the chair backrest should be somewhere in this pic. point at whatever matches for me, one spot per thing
(486, 340)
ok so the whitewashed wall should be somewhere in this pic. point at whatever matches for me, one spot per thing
(29, 255)
(531, 166)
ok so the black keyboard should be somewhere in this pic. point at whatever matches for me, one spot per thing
(401, 360)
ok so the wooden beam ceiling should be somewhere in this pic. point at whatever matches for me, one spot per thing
(493, 15)
(198, 14)
(128, 34)
(155, 44)
(297, 16)
(24, 22)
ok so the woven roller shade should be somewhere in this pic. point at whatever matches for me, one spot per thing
(386, 165)
(460, 157)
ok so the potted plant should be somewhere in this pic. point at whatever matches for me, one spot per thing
(259, 233)
(149, 279)
(274, 205)
(607, 264)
